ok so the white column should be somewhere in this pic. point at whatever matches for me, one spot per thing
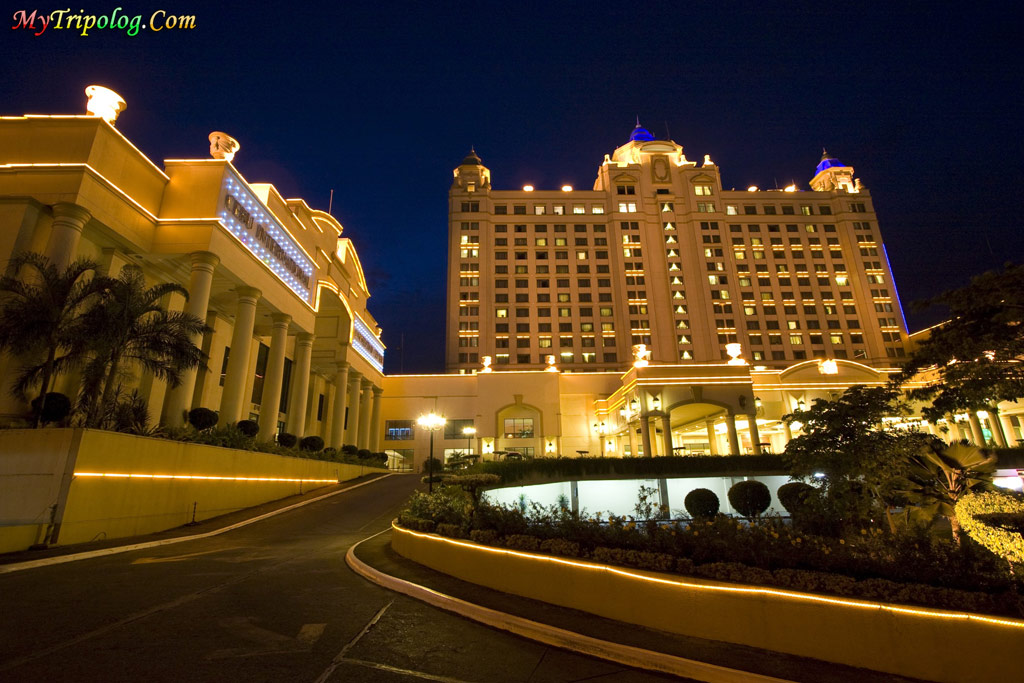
(1011, 435)
(364, 415)
(631, 435)
(979, 436)
(755, 435)
(352, 430)
(179, 398)
(68, 223)
(996, 427)
(645, 435)
(375, 425)
(338, 407)
(296, 421)
(666, 434)
(238, 359)
(734, 438)
(712, 437)
(270, 402)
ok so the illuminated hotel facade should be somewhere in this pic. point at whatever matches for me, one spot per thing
(292, 343)
(657, 313)
(658, 254)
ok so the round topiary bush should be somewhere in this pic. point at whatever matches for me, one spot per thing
(793, 496)
(701, 503)
(202, 418)
(248, 427)
(349, 449)
(750, 498)
(56, 407)
(363, 453)
(311, 443)
(287, 440)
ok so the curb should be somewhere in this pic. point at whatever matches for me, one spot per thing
(74, 557)
(626, 655)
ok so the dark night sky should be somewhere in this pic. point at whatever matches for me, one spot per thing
(380, 101)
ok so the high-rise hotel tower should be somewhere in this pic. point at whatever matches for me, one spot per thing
(658, 253)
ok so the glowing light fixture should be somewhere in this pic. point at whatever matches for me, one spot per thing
(641, 356)
(486, 362)
(550, 360)
(734, 350)
(566, 188)
(790, 188)
(104, 103)
(752, 188)
(656, 402)
(527, 188)
(431, 422)
(828, 366)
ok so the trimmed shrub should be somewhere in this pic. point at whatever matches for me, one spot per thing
(995, 519)
(701, 503)
(793, 496)
(750, 498)
(286, 440)
(349, 449)
(426, 466)
(57, 407)
(202, 418)
(248, 427)
(363, 454)
(312, 443)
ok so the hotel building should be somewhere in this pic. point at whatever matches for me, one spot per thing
(293, 344)
(659, 253)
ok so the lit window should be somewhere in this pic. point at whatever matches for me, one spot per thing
(579, 208)
(731, 210)
(540, 210)
(501, 313)
(597, 209)
(796, 340)
(566, 356)
(559, 209)
(627, 207)
(706, 207)
(702, 190)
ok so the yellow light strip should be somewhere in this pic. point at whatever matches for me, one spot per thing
(792, 595)
(205, 477)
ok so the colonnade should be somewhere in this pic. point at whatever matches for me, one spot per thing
(662, 420)
(352, 389)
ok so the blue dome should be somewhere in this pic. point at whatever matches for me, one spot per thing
(640, 134)
(827, 162)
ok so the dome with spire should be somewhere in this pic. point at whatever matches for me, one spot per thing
(827, 161)
(472, 159)
(640, 134)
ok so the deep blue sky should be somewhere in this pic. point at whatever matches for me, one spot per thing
(380, 101)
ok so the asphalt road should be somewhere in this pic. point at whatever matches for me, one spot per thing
(273, 601)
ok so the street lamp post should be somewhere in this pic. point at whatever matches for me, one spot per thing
(469, 433)
(431, 422)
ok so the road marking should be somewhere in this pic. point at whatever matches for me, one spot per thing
(266, 642)
(60, 559)
(406, 672)
(177, 602)
(350, 644)
(177, 558)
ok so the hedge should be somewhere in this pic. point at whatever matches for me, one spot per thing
(976, 509)
(577, 468)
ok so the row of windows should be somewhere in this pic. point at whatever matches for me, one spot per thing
(562, 327)
(564, 357)
(699, 190)
(543, 241)
(772, 210)
(558, 227)
(539, 209)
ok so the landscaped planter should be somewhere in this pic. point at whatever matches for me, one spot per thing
(95, 484)
(918, 642)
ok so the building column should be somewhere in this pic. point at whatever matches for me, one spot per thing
(666, 433)
(366, 398)
(338, 407)
(755, 435)
(996, 427)
(238, 360)
(734, 438)
(68, 223)
(788, 431)
(297, 401)
(375, 425)
(352, 431)
(179, 399)
(270, 402)
(979, 436)
(645, 435)
(1011, 435)
(712, 437)
(631, 436)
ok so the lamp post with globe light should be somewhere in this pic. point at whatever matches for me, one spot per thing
(431, 422)
(469, 432)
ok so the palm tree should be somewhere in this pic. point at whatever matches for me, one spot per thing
(41, 314)
(941, 476)
(129, 327)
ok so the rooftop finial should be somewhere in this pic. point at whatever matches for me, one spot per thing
(824, 154)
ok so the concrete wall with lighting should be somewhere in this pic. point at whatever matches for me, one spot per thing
(905, 641)
(111, 485)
